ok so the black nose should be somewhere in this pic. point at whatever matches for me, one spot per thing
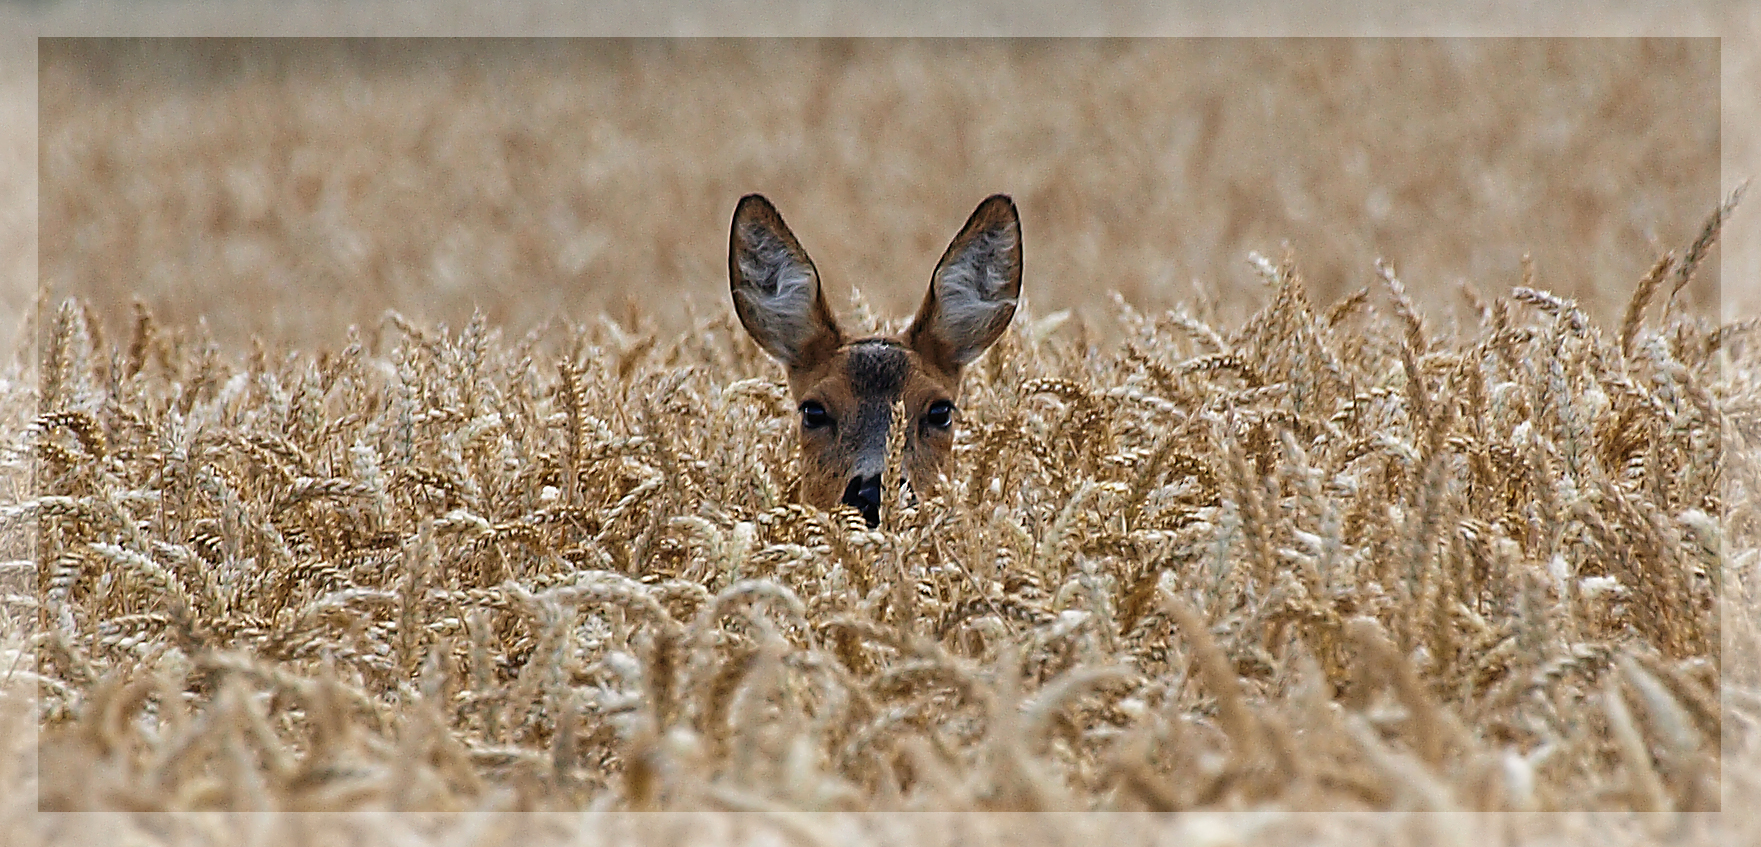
(863, 492)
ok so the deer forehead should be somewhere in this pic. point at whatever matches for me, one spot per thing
(874, 370)
(876, 367)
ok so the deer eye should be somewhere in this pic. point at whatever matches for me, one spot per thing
(940, 414)
(814, 416)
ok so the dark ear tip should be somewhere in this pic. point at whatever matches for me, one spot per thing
(753, 202)
(997, 207)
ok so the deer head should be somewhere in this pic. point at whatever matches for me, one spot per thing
(847, 388)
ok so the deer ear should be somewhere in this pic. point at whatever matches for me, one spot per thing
(776, 288)
(973, 293)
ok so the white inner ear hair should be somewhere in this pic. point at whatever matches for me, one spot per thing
(778, 288)
(971, 289)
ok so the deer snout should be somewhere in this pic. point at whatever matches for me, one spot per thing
(864, 493)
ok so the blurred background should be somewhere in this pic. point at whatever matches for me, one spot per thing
(286, 188)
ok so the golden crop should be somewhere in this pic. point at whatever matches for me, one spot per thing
(1344, 558)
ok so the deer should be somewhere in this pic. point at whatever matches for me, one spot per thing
(846, 389)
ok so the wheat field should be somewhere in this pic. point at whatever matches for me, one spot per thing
(529, 179)
(295, 529)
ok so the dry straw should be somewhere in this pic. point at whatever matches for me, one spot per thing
(1338, 560)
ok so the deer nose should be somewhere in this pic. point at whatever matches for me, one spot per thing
(864, 492)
